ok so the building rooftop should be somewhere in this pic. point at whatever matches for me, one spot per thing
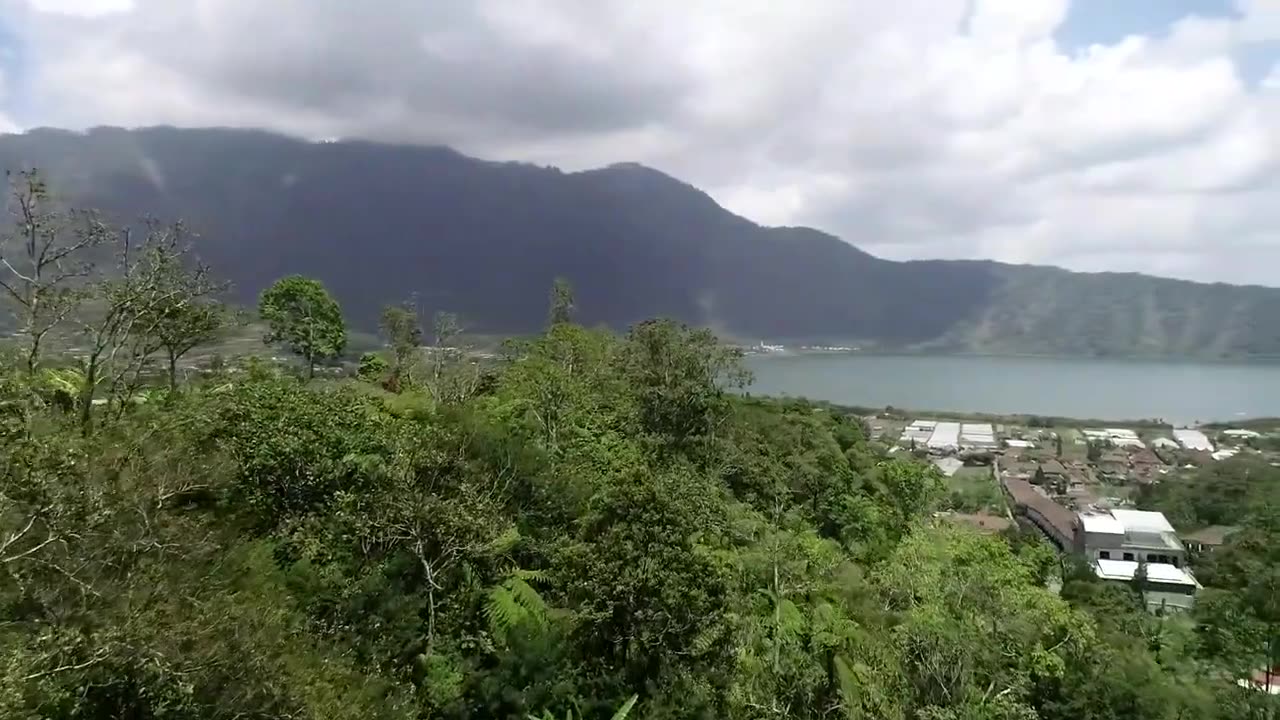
(1101, 523)
(1026, 495)
(1142, 521)
(1212, 535)
(1240, 433)
(1053, 467)
(1193, 440)
(1156, 572)
(945, 435)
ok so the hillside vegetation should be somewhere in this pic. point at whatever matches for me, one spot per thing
(378, 223)
(590, 526)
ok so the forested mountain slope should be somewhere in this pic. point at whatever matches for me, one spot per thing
(378, 223)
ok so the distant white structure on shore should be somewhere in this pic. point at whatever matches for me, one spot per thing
(946, 436)
(1193, 440)
(1241, 434)
(978, 435)
(1120, 437)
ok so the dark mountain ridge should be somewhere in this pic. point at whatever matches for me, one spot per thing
(380, 222)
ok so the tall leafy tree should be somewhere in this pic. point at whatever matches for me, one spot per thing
(304, 317)
(562, 306)
(188, 314)
(402, 328)
(680, 375)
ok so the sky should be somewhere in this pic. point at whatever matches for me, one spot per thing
(1119, 135)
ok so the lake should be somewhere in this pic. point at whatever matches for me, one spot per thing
(1178, 392)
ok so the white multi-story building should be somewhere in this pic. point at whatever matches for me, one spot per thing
(1129, 535)
(1118, 542)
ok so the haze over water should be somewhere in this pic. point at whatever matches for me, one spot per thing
(1178, 392)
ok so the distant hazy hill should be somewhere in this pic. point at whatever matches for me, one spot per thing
(484, 239)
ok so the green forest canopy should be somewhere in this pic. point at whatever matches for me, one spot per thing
(590, 518)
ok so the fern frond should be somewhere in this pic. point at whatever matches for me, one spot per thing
(530, 576)
(505, 542)
(790, 619)
(503, 611)
(512, 603)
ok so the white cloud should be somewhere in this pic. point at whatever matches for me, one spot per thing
(82, 8)
(915, 128)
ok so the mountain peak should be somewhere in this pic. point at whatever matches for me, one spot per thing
(379, 223)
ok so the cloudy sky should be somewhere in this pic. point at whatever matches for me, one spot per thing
(1094, 134)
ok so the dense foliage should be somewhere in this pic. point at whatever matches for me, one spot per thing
(380, 223)
(591, 525)
(600, 520)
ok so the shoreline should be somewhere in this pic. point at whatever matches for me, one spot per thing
(1259, 360)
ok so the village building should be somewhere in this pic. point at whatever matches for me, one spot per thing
(1166, 587)
(1054, 520)
(1130, 535)
(1209, 539)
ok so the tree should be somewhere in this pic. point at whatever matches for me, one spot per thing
(127, 308)
(679, 375)
(1140, 582)
(1094, 453)
(46, 261)
(305, 318)
(189, 315)
(403, 331)
(372, 368)
(1057, 442)
(562, 306)
(453, 377)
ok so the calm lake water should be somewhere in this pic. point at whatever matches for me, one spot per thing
(1178, 392)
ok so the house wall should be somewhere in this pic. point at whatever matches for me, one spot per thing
(1169, 597)
(1119, 547)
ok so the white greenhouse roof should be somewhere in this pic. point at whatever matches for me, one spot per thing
(1241, 433)
(945, 435)
(1193, 440)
